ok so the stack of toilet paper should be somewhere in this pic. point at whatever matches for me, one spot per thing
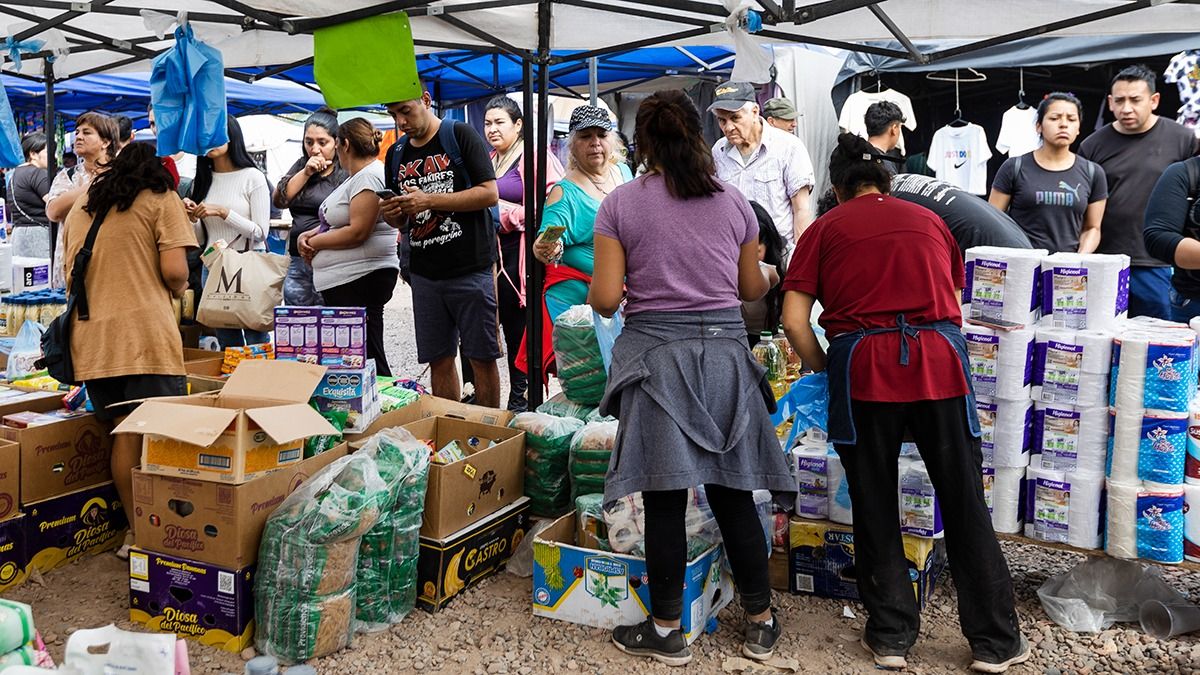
(1072, 366)
(919, 511)
(1154, 367)
(1145, 521)
(1006, 426)
(1004, 493)
(1064, 506)
(1191, 522)
(1001, 361)
(1070, 438)
(812, 480)
(1084, 291)
(1003, 284)
(1147, 445)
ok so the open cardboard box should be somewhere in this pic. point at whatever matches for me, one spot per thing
(466, 491)
(432, 406)
(202, 362)
(255, 425)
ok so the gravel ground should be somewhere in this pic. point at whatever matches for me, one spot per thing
(490, 628)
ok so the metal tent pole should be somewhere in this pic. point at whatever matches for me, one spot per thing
(51, 128)
(535, 272)
(593, 81)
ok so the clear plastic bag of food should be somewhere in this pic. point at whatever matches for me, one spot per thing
(294, 627)
(561, 406)
(591, 450)
(577, 355)
(547, 455)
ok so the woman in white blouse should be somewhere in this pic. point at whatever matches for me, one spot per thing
(231, 201)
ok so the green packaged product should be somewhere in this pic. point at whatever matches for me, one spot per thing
(547, 454)
(315, 445)
(561, 406)
(591, 451)
(395, 398)
(577, 356)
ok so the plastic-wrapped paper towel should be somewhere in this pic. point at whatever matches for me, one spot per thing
(1064, 507)
(1154, 369)
(1147, 445)
(1001, 361)
(839, 491)
(1191, 522)
(1085, 291)
(1191, 470)
(812, 480)
(1003, 283)
(1069, 438)
(1006, 426)
(1072, 366)
(919, 512)
(1004, 493)
(1145, 523)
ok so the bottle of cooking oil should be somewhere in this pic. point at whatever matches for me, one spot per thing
(766, 352)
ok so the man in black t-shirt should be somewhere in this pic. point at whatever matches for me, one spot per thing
(1134, 151)
(442, 199)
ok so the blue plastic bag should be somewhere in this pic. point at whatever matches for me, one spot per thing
(10, 140)
(187, 88)
(808, 400)
(27, 349)
(607, 331)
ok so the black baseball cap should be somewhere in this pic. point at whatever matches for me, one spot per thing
(732, 96)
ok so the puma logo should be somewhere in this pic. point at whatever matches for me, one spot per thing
(1062, 184)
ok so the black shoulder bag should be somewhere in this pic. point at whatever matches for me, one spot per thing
(56, 341)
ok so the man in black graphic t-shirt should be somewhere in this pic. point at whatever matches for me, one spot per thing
(443, 206)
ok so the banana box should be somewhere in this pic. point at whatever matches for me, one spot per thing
(64, 529)
(13, 555)
(822, 561)
(596, 588)
(195, 600)
(447, 566)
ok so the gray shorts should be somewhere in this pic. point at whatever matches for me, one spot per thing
(447, 311)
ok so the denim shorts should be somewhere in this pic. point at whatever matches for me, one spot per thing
(448, 312)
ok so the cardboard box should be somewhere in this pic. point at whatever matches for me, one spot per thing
(447, 566)
(432, 406)
(777, 569)
(297, 334)
(823, 561)
(201, 384)
(16, 399)
(354, 391)
(211, 605)
(211, 522)
(202, 362)
(255, 425)
(62, 457)
(66, 528)
(606, 590)
(343, 337)
(487, 480)
(10, 479)
(14, 556)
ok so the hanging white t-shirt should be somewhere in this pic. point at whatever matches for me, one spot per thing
(856, 106)
(1018, 132)
(1184, 71)
(959, 155)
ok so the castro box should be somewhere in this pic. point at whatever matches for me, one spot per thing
(447, 566)
(487, 480)
(823, 561)
(594, 588)
(297, 334)
(432, 406)
(13, 555)
(254, 425)
(66, 528)
(354, 391)
(209, 522)
(209, 604)
(63, 455)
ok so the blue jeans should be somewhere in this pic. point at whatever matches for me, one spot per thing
(1183, 309)
(1149, 292)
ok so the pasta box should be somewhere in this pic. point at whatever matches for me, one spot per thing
(68, 527)
(432, 406)
(354, 391)
(195, 600)
(447, 566)
(214, 523)
(13, 554)
(254, 425)
(588, 586)
(61, 452)
(822, 562)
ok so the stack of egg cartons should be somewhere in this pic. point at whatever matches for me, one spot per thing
(1152, 392)
(1002, 289)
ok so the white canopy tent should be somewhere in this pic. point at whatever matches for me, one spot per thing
(275, 35)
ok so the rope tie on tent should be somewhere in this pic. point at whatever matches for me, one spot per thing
(52, 41)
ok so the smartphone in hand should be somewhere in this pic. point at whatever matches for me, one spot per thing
(385, 194)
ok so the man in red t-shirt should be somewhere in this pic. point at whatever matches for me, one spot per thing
(888, 275)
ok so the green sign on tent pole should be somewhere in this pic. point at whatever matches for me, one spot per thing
(366, 62)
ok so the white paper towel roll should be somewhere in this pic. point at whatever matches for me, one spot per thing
(839, 491)
(1191, 522)
(1156, 370)
(1191, 470)
(1003, 283)
(1064, 507)
(1072, 366)
(1070, 438)
(919, 512)
(1006, 429)
(1001, 361)
(812, 481)
(1120, 534)
(1085, 291)
(1003, 491)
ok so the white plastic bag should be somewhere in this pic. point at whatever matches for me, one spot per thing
(26, 350)
(100, 651)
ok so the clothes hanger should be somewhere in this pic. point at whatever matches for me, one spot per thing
(976, 76)
(1021, 104)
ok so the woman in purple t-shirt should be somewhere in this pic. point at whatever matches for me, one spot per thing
(693, 403)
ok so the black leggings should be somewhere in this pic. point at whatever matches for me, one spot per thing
(666, 548)
(372, 291)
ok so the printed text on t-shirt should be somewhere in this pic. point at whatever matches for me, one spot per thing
(431, 175)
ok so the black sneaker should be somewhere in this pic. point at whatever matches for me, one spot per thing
(761, 639)
(643, 640)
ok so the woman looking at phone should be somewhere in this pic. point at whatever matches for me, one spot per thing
(353, 252)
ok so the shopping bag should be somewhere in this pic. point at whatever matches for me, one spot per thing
(607, 331)
(808, 400)
(99, 651)
(242, 290)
